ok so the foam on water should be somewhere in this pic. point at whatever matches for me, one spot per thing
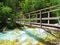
(24, 35)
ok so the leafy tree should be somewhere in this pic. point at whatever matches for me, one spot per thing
(28, 6)
(5, 12)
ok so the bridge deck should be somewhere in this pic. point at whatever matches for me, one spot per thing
(46, 26)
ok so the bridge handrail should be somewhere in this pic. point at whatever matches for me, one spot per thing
(40, 12)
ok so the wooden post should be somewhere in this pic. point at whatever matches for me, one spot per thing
(48, 17)
(20, 20)
(23, 20)
(29, 19)
(36, 17)
(40, 20)
(59, 20)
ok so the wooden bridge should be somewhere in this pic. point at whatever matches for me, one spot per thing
(38, 18)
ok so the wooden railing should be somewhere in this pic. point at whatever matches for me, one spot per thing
(40, 12)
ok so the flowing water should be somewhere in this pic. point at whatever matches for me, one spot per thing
(28, 36)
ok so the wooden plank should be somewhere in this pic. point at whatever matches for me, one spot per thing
(51, 18)
(44, 27)
(51, 11)
(51, 28)
(49, 25)
(44, 24)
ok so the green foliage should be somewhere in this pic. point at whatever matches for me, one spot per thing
(54, 2)
(4, 14)
(28, 6)
(6, 10)
(1, 4)
(11, 25)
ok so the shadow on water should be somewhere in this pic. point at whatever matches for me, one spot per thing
(38, 39)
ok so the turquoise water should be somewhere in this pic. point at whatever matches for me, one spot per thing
(26, 35)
